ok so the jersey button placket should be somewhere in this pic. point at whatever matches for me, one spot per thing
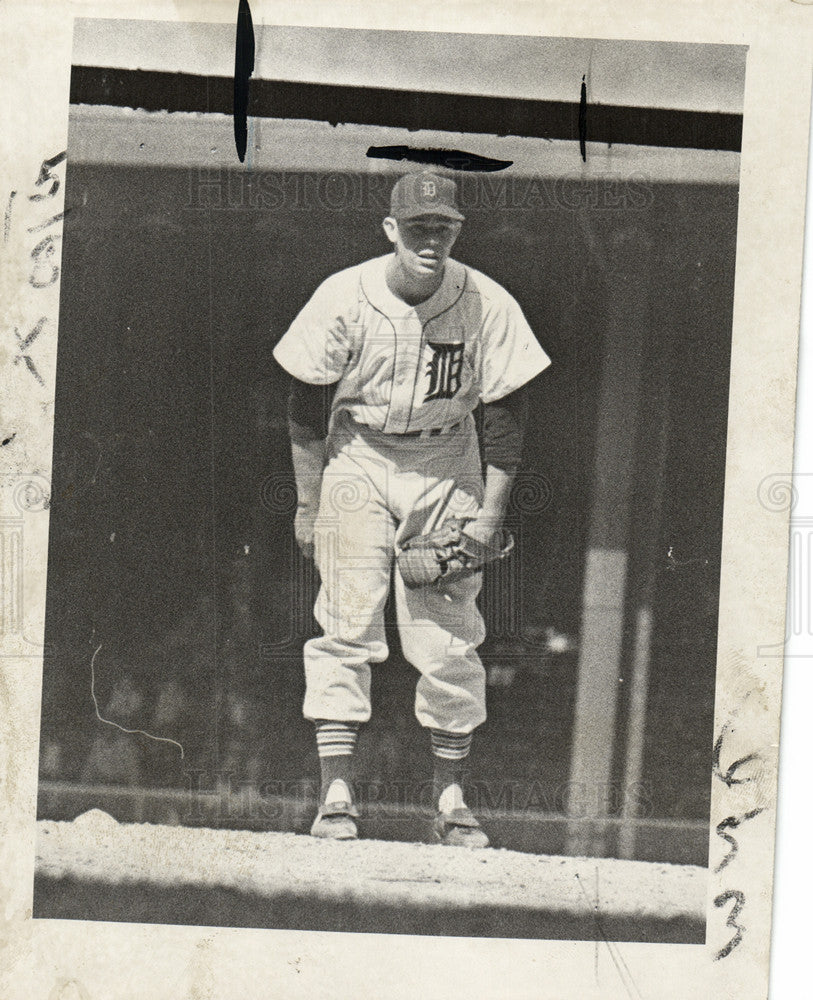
(404, 376)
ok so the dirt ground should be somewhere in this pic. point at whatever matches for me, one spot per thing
(287, 879)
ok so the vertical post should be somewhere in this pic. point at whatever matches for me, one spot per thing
(654, 443)
(626, 254)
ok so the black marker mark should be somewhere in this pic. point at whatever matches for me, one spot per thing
(243, 68)
(47, 174)
(727, 776)
(25, 344)
(42, 255)
(48, 222)
(7, 220)
(454, 159)
(736, 910)
(583, 121)
(731, 823)
(9, 439)
(29, 364)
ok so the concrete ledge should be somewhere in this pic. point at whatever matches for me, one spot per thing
(97, 869)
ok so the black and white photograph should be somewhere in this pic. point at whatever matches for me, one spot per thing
(387, 487)
(398, 438)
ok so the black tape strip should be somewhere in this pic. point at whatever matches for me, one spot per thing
(155, 91)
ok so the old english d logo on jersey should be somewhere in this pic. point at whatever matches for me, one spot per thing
(444, 369)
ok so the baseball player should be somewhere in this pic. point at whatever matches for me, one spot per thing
(388, 360)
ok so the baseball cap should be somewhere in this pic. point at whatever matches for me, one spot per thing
(424, 194)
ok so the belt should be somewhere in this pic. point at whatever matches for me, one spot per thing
(431, 432)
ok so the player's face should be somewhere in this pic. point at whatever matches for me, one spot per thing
(424, 243)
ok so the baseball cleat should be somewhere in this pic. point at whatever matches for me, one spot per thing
(459, 828)
(336, 822)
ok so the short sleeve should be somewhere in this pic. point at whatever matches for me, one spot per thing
(510, 354)
(315, 348)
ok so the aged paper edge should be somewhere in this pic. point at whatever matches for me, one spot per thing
(41, 957)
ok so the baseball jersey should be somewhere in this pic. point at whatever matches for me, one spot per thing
(402, 368)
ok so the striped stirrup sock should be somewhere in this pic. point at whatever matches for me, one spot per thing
(450, 746)
(336, 739)
(450, 751)
(336, 742)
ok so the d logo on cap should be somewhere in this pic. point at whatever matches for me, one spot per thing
(425, 194)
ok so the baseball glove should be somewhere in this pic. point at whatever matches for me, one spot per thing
(447, 553)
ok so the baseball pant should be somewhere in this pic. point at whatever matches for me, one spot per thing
(378, 490)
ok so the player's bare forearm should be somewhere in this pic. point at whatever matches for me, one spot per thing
(498, 484)
(497, 491)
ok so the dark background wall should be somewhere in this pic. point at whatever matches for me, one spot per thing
(171, 542)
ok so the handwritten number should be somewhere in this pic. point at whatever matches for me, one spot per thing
(48, 222)
(42, 255)
(45, 269)
(47, 174)
(727, 776)
(731, 921)
(731, 823)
